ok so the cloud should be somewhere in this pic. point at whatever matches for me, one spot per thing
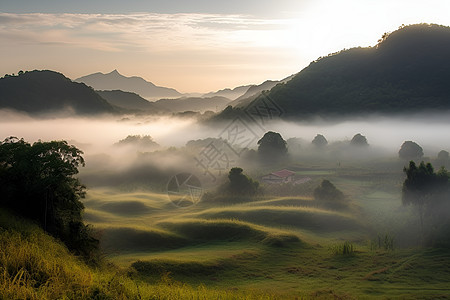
(125, 32)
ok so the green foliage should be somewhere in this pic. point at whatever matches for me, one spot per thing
(385, 242)
(326, 191)
(345, 248)
(272, 146)
(35, 266)
(240, 184)
(428, 191)
(38, 182)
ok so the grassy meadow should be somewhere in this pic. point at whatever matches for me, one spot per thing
(273, 247)
(287, 246)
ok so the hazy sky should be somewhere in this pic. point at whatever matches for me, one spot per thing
(196, 46)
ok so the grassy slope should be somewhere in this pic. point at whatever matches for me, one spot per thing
(277, 245)
(34, 265)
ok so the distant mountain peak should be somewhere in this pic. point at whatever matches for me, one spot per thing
(116, 81)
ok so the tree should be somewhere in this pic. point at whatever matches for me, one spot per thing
(38, 183)
(326, 191)
(424, 189)
(241, 184)
(410, 151)
(272, 145)
(443, 155)
(359, 140)
(319, 141)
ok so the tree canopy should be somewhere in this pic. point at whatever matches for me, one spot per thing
(272, 145)
(327, 191)
(359, 140)
(410, 151)
(241, 184)
(38, 183)
(428, 191)
(319, 141)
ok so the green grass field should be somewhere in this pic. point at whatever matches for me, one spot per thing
(274, 247)
(279, 246)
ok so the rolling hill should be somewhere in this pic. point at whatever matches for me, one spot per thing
(49, 91)
(407, 71)
(116, 81)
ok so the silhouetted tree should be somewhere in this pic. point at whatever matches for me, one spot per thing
(241, 184)
(272, 145)
(424, 188)
(443, 155)
(359, 140)
(410, 151)
(319, 141)
(326, 191)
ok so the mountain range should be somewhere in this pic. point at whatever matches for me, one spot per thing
(131, 102)
(407, 71)
(116, 81)
(49, 91)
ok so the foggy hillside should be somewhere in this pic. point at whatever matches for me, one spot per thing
(129, 101)
(49, 91)
(231, 94)
(408, 71)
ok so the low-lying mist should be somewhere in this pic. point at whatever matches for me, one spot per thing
(96, 135)
(142, 153)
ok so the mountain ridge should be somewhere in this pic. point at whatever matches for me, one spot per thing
(407, 71)
(47, 91)
(135, 84)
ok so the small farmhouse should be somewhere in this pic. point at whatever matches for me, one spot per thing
(282, 176)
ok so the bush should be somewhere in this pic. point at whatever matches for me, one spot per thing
(346, 248)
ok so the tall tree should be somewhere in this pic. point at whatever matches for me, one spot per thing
(319, 141)
(424, 188)
(241, 184)
(38, 182)
(272, 145)
(410, 151)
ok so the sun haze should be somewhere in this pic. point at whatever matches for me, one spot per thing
(196, 46)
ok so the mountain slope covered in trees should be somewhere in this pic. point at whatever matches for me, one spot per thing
(407, 71)
(129, 101)
(49, 91)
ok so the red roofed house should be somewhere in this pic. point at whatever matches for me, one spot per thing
(279, 177)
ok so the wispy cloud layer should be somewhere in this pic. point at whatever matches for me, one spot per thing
(135, 31)
(200, 51)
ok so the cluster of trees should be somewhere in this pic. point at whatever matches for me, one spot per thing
(429, 192)
(239, 188)
(144, 141)
(37, 182)
(272, 146)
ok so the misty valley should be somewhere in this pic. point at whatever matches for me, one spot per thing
(332, 183)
